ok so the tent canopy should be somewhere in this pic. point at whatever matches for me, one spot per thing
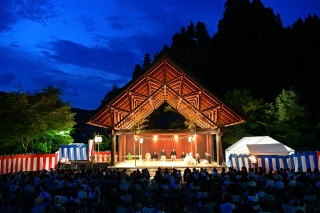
(267, 149)
(259, 145)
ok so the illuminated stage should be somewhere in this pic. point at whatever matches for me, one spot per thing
(131, 165)
(163, 164)
(152, 166)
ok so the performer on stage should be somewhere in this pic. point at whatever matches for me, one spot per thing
(186, 159)
(163, 155)
(197, 158)
(173, 155)
(154, 156)
(183, 156)
(207, 158)
(189, 160)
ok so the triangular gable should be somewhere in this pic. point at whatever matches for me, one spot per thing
(165, 82)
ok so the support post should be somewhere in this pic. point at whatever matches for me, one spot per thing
(219, 148)
(113, 148)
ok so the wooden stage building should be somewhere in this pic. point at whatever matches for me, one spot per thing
(165, 82)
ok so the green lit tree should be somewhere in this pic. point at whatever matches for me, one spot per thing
(37, 119)
(290, 124)
(255, 112)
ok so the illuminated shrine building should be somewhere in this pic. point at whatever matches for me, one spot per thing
(166, 82)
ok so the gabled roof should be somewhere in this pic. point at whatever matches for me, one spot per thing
(165, 82)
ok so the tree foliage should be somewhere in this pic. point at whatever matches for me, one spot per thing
(290, 124)
(255, 112)
(137, 71)
(111, 94)
(146, 62)
(34, 118)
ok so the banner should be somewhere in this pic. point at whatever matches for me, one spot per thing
(27, 162)
(90, 149)
(75, 151)
(104, 156)
(303, 160)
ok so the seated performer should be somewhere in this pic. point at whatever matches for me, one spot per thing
(173, 155)
(148, 156)
(154, 156)
(189, 160)
(183, 156)
(163, 155)
(197, 158)
(207, 158)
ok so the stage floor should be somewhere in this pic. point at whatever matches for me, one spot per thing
(163, 164)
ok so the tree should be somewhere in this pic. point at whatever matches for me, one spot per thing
(146, 62)
(111, 94)
(287, 106)
(137, 71)
(290, 124)
(139, 123)
(40, 117)
(255, 111)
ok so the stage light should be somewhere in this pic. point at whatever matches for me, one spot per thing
(97, 139)
(194, 137)
(155, 138)
(141, 140)
(253, 159)
(176, 137)
(189, 139)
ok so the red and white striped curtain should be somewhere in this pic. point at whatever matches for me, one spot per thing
(27, 162)
(90, 149)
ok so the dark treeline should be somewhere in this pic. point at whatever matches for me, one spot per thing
(252, 51)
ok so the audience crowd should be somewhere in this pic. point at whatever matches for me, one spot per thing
(191, 190)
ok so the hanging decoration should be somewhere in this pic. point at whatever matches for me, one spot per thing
(155, 138)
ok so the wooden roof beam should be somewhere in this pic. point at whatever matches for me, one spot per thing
(196, 92)
(119, 109)
(211, 109)
(151, 104)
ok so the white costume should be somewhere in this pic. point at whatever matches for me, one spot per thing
(189, 160)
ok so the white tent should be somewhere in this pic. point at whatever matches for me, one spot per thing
(258, 145)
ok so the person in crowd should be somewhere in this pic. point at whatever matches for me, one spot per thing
(149, 207)
(38, 207)
(45, 196)
(154, 156)
(227, 206)
(138, 208)
(173, 155)
(56, 207)
(163, 155)
(13, 206)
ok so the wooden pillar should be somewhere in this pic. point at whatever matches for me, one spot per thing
(212, 153)
(219, 149)
(209, 144)
(122, 147)
(113, 149)
(195, 146)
